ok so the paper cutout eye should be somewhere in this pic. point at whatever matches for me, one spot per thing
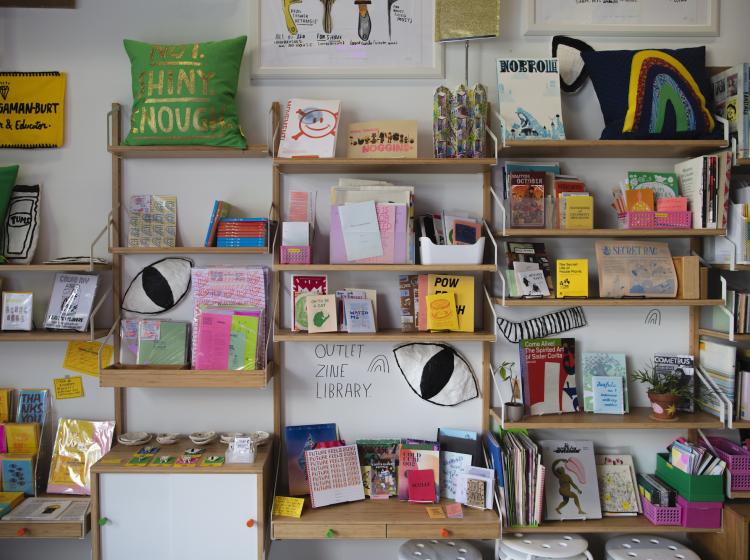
(573, 71)
(437, 373)
(158, 287)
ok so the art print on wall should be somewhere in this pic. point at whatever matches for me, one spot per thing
(345, 38)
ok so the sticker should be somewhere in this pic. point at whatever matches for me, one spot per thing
(285, 506)
(83, 357)
(68, 387)
(150, 329)
(129, 328)
(435, 512)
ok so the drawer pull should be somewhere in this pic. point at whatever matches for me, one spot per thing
(103, 521)
(22, 532)
(250, 523)
(330, 534)
(444, 533)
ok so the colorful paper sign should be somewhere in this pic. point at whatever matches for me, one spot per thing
(68, 387)
(285, 506)
(31, 109)
(83, 357)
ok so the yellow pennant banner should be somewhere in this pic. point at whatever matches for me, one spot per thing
(31, 109)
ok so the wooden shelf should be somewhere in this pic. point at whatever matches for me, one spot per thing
(189, 250)
(50, 336)
(363, 165)
(637, 419)
(182, 152)
(610, 232)
(609, 302)
(742, 162)
(741, 424)
(637, 524)
(153, 377)
(384, 519)
(52, 267)
(416, 268)
(723, 335)
(386, 335)
(46, 529)
(609, 148)
(725, 266)
(740, 495)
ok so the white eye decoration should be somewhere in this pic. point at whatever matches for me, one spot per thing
(437, 373)
(573, 71)
(158, 287)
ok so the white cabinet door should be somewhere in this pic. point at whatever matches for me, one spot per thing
(138, 510)
(210, 514)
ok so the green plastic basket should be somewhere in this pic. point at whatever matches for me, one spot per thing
(694, 488)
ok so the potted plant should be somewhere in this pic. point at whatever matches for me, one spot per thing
(514, 408)
(665, 391)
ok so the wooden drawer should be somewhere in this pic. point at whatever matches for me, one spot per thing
(454, 531)
(305, 531)
(9, 529)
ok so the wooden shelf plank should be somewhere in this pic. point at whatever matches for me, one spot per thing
(638, 419)
(609, 302)
(152, 377)
(385, 335)
(741, 424)
(742, 162)
(609, 148)
(726, 266)
(50, 336)
(609, 232)
(637, 524)
(740, 495)
(392, 519)
(723, 335)
(182, 152)
(51, 267)
(189, 250)
(423, 268)
(363, 165)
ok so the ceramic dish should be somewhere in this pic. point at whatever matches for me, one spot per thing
(230, 436)
(134, 438)
(167, 439)
(260, 437)
(202, 438)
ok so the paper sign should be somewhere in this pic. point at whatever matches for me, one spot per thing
(68, 387)
(435, 512)
(31, 106)
(83, 357)
(285, 506)
(359, 224)
(454, 511)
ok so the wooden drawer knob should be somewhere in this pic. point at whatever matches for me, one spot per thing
(103, 521)
(444, 533)
(330, 534)
(22, 532)
(250, 523)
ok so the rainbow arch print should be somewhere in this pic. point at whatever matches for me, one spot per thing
(658, 80)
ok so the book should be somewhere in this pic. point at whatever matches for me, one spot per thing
(6, 404)
(462, 287)
(421, 486)
(618, 494)
(530, 252)
(452, 465)
(310, 128)
(382, 139)
(441, 312)
(548, 375)
(409, 300)
(17, 311)
(22, 438)
(579, 212)
(78, 445)
(465, 232)
(663, 185)
(219, 211)
(612, 458)
(321, 313)
(461, 441)
(641, 200)
(530, 281)
(529, 95)
(244, 336)
(603, 364)
(682, 365)
(32, 406)
(422, 456)
(302, 285)
(377, 459)
(690, 175)
(18, 473)
(571, 485)
(162, 342)
(730, 89)
(298, 440)
(527, 199)
(608, 394)
(359, 316)
(334, 475)
(635, 269)
(719, 362)
(9, 500)
(71, 301)
(152, 220)
(474, 487)
(572, 278)
(382, 482)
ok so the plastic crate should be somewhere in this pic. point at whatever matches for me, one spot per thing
(695, 488)
(661, 515)
(738, 462)
(451, 254)
(700, 515)
(655, 220)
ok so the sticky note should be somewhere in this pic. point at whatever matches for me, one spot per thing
(285, 506)
(68, 387)
(435, 512)
(83, 357)
(454, 511)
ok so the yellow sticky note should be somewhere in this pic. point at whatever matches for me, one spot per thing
(83, 357)
(68, 387)
(435, 512)
(285, 506)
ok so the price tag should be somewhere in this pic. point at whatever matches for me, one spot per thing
(68, 387)
(285, 506)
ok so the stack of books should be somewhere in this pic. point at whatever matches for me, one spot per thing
(529, 273)
(437, 302)
(730, 100)
(523, 474)
(242, 232)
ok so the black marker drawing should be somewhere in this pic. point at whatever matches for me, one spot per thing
(390, 5)
(379, 364)
(653, 317)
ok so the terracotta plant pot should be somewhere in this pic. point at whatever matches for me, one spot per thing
(663, 406)
(513, 412)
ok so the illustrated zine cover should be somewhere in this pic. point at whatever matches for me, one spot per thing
(298, 440)
(529, 91)
(618, 494)
(571, 486)
(310, 128)
(596, 364)
(683, 366)
(549, 375)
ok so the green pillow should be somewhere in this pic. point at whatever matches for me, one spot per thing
(7, 182)
(185, 94)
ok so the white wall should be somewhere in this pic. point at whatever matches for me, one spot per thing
(86, 43)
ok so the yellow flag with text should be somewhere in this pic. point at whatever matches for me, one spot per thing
(32, 109)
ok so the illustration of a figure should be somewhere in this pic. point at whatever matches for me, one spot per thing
(290, 25)
(316, 123)
(327, 20)
(364, 28)
(567, 484)
(390, 5)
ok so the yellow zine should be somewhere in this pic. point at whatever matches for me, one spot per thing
(285, 506)
(68, 387)
(31, 109)
(572, 278)
(463, 288)
(83, 357)
(579, 212)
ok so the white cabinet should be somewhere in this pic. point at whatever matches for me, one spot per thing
(178, 516)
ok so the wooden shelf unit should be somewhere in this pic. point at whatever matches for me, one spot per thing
(637, 524)
(743, 162)
(723, 335)
(412, 268)
(359, 165)
(50, 336)
(608, 302)
(384, 519)
(53, 267)
(152, 377)
(639, 418)
(600, 233)
(741, 424)
(609, 148)
(737, 267)
(46, 530)
(189, 250)
(384, 335)
(185, 152)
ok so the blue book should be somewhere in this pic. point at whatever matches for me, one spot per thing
(298, 440)
(32, 406)
(219, 212)
(495, 454)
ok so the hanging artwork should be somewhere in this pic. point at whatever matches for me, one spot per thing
(346, 38)
(31, 109)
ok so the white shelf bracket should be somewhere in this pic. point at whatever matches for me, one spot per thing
(501, 208)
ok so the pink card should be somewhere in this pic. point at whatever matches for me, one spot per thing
(454, 511)
(214, 336)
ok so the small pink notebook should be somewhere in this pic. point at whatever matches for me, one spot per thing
(214, 337)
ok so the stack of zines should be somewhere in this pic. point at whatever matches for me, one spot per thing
(242, 232)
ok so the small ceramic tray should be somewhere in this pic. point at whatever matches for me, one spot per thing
(230, 436)
(134, 438)
(260, 437)
(167, 438)
(202, 438)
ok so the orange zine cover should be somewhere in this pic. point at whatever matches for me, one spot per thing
(641, 200)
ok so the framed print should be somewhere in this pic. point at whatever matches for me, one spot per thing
(635, 18)
(345, 39)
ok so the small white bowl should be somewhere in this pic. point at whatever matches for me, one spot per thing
(134, 438)
(167, 438)
(228, 437)
(260, 437)
(202, 438)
